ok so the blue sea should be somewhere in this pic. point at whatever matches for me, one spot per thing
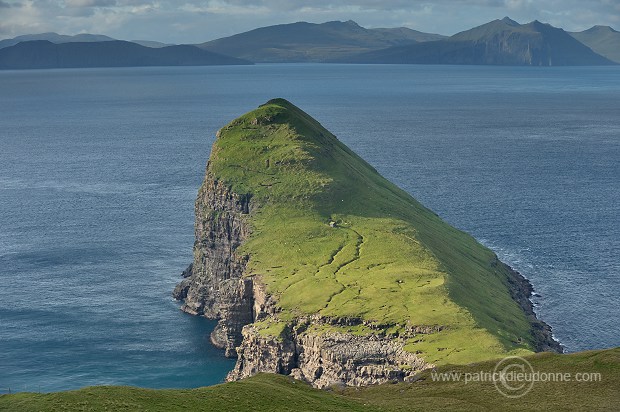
(99, 169)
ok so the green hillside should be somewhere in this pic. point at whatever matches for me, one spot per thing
(334, 238)
(268, 392)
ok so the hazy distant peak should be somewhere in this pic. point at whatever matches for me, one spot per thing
(47, 33)
(491, 28)
(55, 38)
(507, 20)
(349, 23)
(151, 43)
(538, 23)
(602, 39)
(601, 29)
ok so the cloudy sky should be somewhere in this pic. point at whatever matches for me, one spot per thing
(194, 21)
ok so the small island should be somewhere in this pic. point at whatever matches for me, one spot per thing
(319, 268)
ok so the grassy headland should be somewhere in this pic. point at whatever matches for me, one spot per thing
(333, 237)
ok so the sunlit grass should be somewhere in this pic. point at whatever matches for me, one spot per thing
(330, 236)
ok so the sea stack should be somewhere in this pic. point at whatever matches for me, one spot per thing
(318, 267)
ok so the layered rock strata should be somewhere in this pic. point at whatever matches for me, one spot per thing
(214, 285)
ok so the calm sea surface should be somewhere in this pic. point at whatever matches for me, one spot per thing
(99, 169)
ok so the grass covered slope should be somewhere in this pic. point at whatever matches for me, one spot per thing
(268, 392)
(264, 392)
(592, 385)
(332, 237)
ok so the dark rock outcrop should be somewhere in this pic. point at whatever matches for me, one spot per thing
(522, 291)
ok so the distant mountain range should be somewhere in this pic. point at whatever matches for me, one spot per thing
(499, 42)
(42, 54)
(602, 39)
(78, 38)
(309, 42)
(55, 38)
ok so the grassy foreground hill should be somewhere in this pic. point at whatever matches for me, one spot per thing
(269, 392)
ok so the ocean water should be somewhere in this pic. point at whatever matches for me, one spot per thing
(99, 169)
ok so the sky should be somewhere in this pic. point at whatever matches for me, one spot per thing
(196, 21)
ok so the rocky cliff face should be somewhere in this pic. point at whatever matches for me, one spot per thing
(326, 359)
(214, 285)
(521, 291)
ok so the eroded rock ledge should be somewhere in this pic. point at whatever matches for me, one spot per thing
(326, 359)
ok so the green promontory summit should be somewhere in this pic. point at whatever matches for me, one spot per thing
(318, 267)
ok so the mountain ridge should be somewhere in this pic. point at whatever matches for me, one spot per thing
(602, 39)
(55, 38)
(311, 42)
(498, 42)
(43, 54)
(77, 38)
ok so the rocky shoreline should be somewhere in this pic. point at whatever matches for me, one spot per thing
(522, 291)
(217, 286)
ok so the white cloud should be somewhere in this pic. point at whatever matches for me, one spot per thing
(225, 8)
(90, 3)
